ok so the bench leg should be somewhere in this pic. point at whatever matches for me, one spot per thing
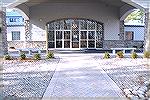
(39, 51)
(30, 52)
(132, 50)
(114, 52)
(124, 51)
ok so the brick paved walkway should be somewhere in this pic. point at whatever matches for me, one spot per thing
(81, 76)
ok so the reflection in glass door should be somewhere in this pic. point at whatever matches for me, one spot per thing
(75, 33)
(91, 39)
(83, 39)
(58, 39)
(67, 39)
(75, 39)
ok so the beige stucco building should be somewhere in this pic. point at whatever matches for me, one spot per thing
(77, 24)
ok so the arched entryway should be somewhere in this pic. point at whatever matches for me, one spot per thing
(73, 33)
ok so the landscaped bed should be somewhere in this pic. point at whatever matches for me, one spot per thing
(26, 78)
(131, 74)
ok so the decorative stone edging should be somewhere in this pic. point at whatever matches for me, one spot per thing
(142, 92)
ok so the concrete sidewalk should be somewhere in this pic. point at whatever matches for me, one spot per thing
(81, 76)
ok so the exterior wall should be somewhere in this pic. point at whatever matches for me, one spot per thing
(119, 43)
(107, 44)
(138, 31)
(29, 44)
(37, 33)
(15, 23)
(16, 28)
(43, 13)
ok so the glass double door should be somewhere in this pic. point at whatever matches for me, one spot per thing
(75, 39)
(87, 39)
(62, 39)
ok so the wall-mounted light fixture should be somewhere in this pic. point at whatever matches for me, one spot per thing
(40, 19)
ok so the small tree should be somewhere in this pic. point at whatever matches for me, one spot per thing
(7, 57)
(106, 55)
(22, 56)
(37, 56)
(50, 55)
(134, 55)
(146, 54)
(120, 54)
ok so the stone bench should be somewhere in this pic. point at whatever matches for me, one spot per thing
(29, 50)
(122, 49)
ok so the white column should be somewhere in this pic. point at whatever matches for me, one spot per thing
(27, 34)
(3, 33)
(147, 30)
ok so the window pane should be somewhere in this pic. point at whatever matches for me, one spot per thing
(83, 34)
(58, 34)
(51, 36)
(99, 44)
(66, 44)
(83, 44)
(67, 24)
(75, 44)
(15, 35)
(83, 25)
(51, 44)
(58, 44)
(75, 35)
(75, 25)
(99, 36)
(99, 27)
(129, 35)
(66, 34)
(91, 25)
(59, 25)
(91, 44)
(50, 26)
(91, 35)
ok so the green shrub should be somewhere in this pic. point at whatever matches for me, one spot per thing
(7, 57)
(22, 56)
(106, 55)
(37, 56)
(50, 55)
(120, 54)
(147, 54)
(134, 55)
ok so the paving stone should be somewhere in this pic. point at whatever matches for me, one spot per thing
(141, 96)
(135, 92)
(140, 92)
(134, 98)
(143, 88)
(130, 95)
(127, 91)
(136, 88)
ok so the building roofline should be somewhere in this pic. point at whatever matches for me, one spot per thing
(134, 25)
